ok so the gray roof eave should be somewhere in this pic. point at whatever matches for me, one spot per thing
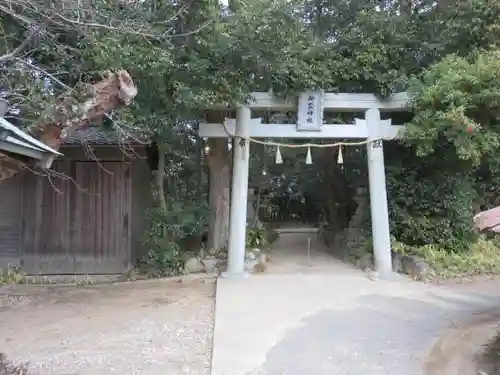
(27, 140)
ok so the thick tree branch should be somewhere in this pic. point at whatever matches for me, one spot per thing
(83, 106)
(73, 110)
(57, 17)
(12, 55)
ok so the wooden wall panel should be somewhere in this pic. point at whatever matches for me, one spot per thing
(79, 224)
(10, 221)
(46, 222)
(142, 198)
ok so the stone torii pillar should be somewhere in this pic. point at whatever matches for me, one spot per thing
(239, 196)
(378, 195)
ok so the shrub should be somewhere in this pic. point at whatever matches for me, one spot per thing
(256, 236)
(12, 275)
(482, 258)
(166, 230)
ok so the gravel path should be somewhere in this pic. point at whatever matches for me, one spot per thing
(147, 327)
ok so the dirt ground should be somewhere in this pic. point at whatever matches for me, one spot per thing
(460, 350)
(145, 327)
(473, 346)
(166, 327)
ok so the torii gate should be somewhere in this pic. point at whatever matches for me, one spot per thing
(311, 106)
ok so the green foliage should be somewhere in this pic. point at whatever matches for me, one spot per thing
(12, 275)
(15, 275)
(449, 166)
(429, 205)
(483, 258)
(260, 237)
(206, 54)
(165, 232)
(457, 103)
(256, 236)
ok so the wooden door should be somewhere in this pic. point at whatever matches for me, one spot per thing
(101, 217)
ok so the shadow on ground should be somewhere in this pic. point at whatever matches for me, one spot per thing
(381, 335)
(489, 360)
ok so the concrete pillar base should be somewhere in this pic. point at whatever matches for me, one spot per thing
(234, 276)
(385, 276)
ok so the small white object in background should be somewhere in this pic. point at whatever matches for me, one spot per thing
(279, 158)
(340, 158)
(309, 157)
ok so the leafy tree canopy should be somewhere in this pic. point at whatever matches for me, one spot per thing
(187, 55)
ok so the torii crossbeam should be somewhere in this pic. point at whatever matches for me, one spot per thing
(310, 107)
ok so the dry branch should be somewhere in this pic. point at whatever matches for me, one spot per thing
(73, 110)
(61, 15)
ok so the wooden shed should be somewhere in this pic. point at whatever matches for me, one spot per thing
(89, 220)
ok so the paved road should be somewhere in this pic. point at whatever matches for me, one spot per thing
(382, 335)
(327, 318)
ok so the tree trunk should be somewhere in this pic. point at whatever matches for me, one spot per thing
(332, 214)
(261, 180)
(219, 163)
(256, 217)
(160, 176)
(81, 107)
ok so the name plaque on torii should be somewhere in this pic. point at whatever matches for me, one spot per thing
(310, 111)
(370, 130)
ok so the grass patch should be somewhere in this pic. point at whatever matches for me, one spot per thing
(12, 275)
(483, 258)
(15, 276)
